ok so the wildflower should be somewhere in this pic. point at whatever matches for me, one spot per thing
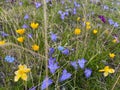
(53, 37)
(87, 23)
(95, 31)
(82, 63)
(2, 42)
(51, 51)
(33, 88)
(111, 55)
(20, 39)
(61, 48)
(26, 17)
(114, 40)
(9, 59)
(74, 11)
(34, 25)
(105, 7)
(74, 64)
(87, 72)
(25, 26)
(3, 34)
(107, 70)
(65, 75)
(46, 82)
(20, 3)
(66, 52)
(111, 22)
(29, 35)
(37, 4)
(78, 19)
(20, 31)
(21, 73)
(88, 27)
(35, 47)
(76, 4)
(116, 24)
(102, 18)
(77, 31)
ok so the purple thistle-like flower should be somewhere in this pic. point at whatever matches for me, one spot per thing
(61, 48)
(87, 72)
(102, 18)
(74, 64)
(53, 37)
(116, 24)
(25, 26)
(66, 51)
(82, 63)
(111, 22)
(51, 51)
(26, 17)
(37, 4)
(46, 82)
(65, 75)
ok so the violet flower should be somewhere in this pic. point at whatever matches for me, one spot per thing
(26, 17)
(74, 64)
(66, 51)
(51, 51)
(53, 37)
(37, 4)
(102, 18)
(87, 72)
(82, 63)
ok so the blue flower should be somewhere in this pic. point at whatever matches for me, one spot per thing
(66, 52)
(74, 11)
(87, 72)
(20, 3)
(29, 35)
(65, 75)
(25, 26)
(51, 51)
(76, 4)
(61, 48)
(82, 63)
(3, 34)
(116, 24)
(105, 7)
(53, 37)
(74, 64)
(33, 88)
(9, 59)
(26, 17)
(46, 82)
(52, 65)
(111, 22)
(37, 4)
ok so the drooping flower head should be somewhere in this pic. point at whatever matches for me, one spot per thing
(82, 62)
(87, 72)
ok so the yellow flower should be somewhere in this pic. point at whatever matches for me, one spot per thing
(114, 41)
(78, 19)
(111, 55)
(88, 27)
(87, 23)
(95, 31)
(35, 47)
(34, 25)
(20, 31)
(21, 73)
(20, 39)
(2, 42)
(83, 19)
(107, 70)
(77, 31)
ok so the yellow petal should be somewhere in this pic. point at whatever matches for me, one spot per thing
(16, 78)
(111, 70)
(102, 70)
(24, 77)
(105, 74)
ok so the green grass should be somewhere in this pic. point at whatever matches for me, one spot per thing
(94, 48)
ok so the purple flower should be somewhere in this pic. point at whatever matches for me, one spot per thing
(65, 75)
(37, 4)
(61, 48)
(105, 7)
(9, 59)
(74, 64)
(3, 34)
(62, 1)
(82, 63)
(51, 51)
(20, 3)
(29, 35)
(26, 17)
(111, 22)
(52, 65)
(33, 88)
(116, 24)
(66, 52)
(76, 4)
(53, 37)
(74, 11)
(102, 18)
(87, 72)
(25, 26)
(46, 82)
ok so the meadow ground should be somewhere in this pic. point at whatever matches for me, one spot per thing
(59, 45)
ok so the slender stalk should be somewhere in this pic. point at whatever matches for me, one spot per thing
(46, 42)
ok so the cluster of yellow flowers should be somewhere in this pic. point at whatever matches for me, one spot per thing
(88, 26)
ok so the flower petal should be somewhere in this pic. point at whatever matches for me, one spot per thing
(16, 78)
(111, 70)
(105, 74)
(24, 77)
